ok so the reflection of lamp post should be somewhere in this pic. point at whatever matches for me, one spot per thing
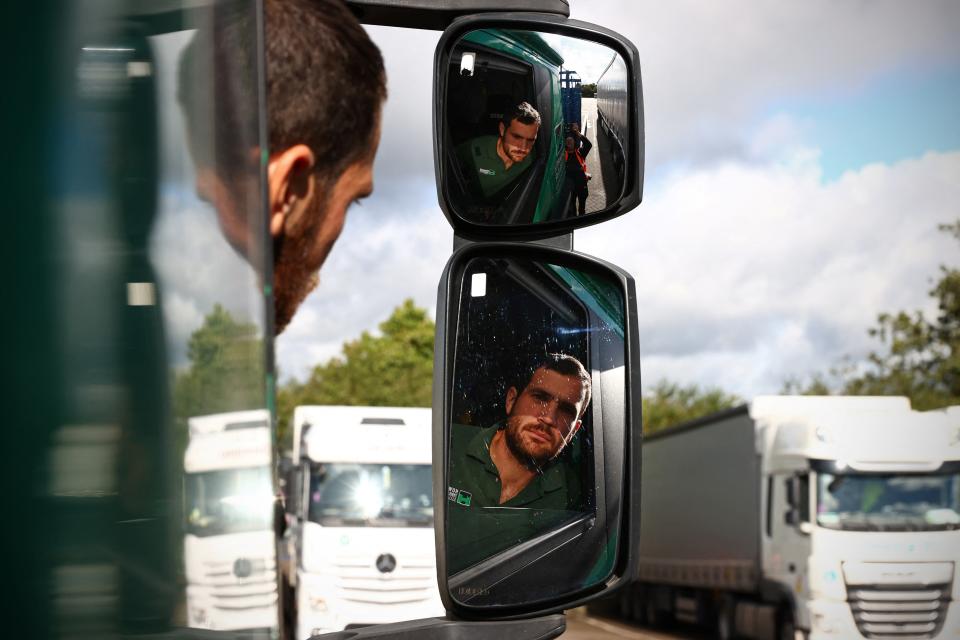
(467, 61)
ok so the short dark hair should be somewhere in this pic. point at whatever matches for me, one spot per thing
(524, 112)
(564, 365)
(325, 82)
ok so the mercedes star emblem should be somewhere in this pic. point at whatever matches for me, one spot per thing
(386, 563)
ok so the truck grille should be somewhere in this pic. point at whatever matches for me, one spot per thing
(255, 586)
(413, 580)
(900, 612)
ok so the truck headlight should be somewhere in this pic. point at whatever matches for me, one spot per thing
(826, 623)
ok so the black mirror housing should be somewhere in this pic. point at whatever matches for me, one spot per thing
(524, 214)
(502, 302)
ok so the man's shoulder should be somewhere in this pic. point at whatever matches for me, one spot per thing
(478, 146)
(468, 439)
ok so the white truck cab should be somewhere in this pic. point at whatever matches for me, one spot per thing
(229, 549)
(863, 514)
(362, 531)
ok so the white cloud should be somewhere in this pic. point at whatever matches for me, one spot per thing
(747, 275)
(749, 269)
(197, 269)
(710, 70)
(384, 256)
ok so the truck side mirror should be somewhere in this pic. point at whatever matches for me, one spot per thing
(537, 425)
(792, 517)
(538, 125)
(791, 491)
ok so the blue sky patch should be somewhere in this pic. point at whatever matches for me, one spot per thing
(896, 116)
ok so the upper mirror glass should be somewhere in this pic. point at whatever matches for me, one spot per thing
(535, 128)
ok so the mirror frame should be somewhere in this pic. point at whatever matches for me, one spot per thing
(634, 161)
(622, 485)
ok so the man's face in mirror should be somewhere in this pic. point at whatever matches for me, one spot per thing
(518, 139)
(543, 417)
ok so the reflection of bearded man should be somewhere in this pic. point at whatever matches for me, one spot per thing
(544, 417)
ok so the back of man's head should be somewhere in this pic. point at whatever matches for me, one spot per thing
(325, 82)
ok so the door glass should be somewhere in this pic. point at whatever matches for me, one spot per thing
(152, 232)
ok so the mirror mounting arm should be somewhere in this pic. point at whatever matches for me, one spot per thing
(562, 241)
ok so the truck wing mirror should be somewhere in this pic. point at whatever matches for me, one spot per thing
(791, 492)
(538, 125)
(537, 425)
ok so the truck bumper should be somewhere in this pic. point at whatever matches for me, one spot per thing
(831, 620)
(204, 611)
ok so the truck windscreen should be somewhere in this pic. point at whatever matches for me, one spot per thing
(896, 502)
(389, 495)
(228, 501)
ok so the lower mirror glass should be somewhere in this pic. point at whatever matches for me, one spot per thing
(535, 432)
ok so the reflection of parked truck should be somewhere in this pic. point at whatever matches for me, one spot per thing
(229, 548)
(834, 516)
(362, 530)
(613, 109)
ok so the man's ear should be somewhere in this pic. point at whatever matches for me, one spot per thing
(502, 129)
(511, 398)
(576, 428)
(292, 185)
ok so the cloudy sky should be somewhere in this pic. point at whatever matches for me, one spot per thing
(799, 158)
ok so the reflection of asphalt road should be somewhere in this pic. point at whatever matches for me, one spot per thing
(582, 626)
(596, 194)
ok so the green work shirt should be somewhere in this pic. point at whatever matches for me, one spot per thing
(478, 526)
(484, 168)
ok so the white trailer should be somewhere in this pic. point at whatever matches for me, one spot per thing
(814, 517)
(229, 548)
(362, 525)
(613, 111)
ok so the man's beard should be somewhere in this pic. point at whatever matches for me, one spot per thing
(531, 461)
(517, 156)
(293, 280)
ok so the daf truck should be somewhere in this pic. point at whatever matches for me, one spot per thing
(229, 549)
(812, 517)
(361, 529)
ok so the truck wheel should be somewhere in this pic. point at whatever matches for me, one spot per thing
(725, 619)
(787, 630)
(626, 603)
(653, 617)
(638, 600)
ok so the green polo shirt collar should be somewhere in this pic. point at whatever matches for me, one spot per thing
(549, 481)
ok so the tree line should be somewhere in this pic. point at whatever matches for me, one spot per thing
(917, 357)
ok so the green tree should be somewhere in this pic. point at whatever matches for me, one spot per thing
(588, 90)
(919, 356)
(392, 369)
(669, 404)
(226, 370)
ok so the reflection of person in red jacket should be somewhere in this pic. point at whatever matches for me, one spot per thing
(577, 148)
